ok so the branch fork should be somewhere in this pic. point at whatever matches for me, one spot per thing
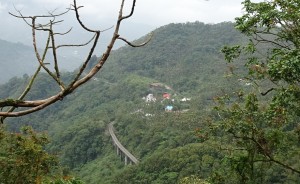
(80, 78)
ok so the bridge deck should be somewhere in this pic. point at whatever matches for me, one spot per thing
(119, 145)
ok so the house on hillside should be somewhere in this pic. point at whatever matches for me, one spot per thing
(149, 98)
(166, 95)
(185, 99)
(169, 108)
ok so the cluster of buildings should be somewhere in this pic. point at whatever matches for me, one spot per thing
(165, 96)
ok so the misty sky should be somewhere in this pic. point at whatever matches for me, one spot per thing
(100, 14)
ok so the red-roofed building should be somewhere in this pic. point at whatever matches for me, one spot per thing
(166, 96)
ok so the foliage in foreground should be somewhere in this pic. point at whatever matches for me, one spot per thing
(257, 129)
(24, 160)
(260, 126)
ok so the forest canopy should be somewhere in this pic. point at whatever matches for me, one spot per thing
(240, 124)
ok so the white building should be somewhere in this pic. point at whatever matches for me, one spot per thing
(185, 99)
(150, 98)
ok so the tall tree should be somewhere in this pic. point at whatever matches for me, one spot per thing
(262, 124)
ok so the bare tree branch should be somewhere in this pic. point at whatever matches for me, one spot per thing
(67, 32)
(36, 105)
(76, 45)
(38, 55)
(28, 87)
(139, 45)
(131, 12)
(78, 17)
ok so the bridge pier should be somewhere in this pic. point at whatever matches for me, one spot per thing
(121, 150)
(125, 159)
(118, 150)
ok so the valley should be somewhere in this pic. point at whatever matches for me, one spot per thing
(165, 100)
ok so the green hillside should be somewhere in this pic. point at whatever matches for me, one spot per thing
(184, 57)
(183, 60)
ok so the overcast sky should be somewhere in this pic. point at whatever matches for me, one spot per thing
(149, 14)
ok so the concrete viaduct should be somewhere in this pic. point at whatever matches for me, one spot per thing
(121, 150)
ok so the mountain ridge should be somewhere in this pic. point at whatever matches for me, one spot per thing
(185, 57)
(17, 59)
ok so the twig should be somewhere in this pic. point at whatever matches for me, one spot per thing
(139, 45)
(37, 105)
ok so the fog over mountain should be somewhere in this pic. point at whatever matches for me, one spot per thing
(148, 15)
(101, 14)
(17, 59)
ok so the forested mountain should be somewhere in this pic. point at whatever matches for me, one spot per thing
(17, 59)
(185, 57)
(182, 60)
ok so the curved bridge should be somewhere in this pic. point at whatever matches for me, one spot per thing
(121, 150)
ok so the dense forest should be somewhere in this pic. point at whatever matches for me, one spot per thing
(77, 125)
(228, 123)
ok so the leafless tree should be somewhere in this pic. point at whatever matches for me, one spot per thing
(8, 106)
